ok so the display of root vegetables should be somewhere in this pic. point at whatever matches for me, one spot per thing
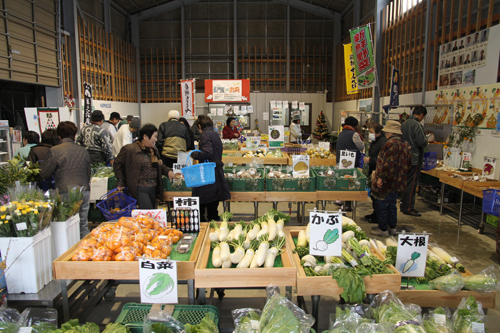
(277, 174)
(250, 173)
(248, 245)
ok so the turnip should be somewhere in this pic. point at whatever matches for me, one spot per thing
(263, 248)
(224, 228)
(214, 235)
(318, 269)
(274, 252)
(238, 230)
(216, 261)
(249, 256)
(230, 236)
(227, 264)
(308, 259)
(347, 235)
(264, 229)
(224, 251)
(239, 251)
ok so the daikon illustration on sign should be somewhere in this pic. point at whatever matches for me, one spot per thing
(412, 254)
(158, 281)
(325, 233)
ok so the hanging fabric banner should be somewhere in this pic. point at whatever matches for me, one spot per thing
(187, 99)
(364, 61)
(350, 71)
(394, 98)
(87, 102)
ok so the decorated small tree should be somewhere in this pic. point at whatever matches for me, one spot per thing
(321, 132)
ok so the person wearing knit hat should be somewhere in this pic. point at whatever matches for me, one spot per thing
(173, 137)
(351, 140)
(96, 140)
(125, 135)
(389, 179)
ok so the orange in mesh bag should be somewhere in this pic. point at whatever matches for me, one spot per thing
(126, 254)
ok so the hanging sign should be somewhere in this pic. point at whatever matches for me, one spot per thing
(350, 70)
(302, 106)
(364, 61)
(48, 118)
(227, 90)
(285, 104)
(187, 99)
(489, 167)
(347, 159)
(186, 214)
(276, 136)
(300, 165)
(295, 105)
(159, 215)
(272, 104)
(325, 234)
(394, 97)
(412, 254)
(279, 104)
(158, 281)
(87, 102)
(265, 115)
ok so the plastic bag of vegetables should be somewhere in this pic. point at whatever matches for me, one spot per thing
(158, 321)
(8, 320)
(245, 315)
(486, 281)
(469, 316)
(39, 319)
(451, 283)
(374, 328)
(348, 320)
(438, 321)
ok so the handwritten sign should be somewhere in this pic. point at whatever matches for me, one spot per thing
(158, 281)
(186, 214)
(295, 104)
(324, 145)
(347, 159)
(412, 254)
(325, 234)
(300, 165)
(159, 215)
(489, 167)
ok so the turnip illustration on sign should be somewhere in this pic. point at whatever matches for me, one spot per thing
(325, 231)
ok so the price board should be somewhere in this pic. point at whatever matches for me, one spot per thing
(347, 159)
(412, 254)
(158, 281)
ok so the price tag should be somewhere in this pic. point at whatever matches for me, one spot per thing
(466, 160)
(300, 165)
(159, 215)
(152, 248)
(324, 145)
(478, 327)
(186, 214)
(302, 106)
(440, 319)
(454, 260)
(25, 329)
(353, 263)
(325, 234)
(158, 281)
(347, 159)
(412, 254)
(21, 226)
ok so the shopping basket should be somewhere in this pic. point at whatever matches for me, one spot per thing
(199, 174)
(430, 160)
(491, 202)
(114, 200)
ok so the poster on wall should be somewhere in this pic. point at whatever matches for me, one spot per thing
(364, 61)
(227, 90)
(464, 62)
(48, 119)
(187, 99)
(87, 102)
(350, 71)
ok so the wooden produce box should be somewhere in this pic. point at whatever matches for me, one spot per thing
(444, 177)
(476, 188)
(326, 285)
(316, 161)
(432, 172)
(242, 277)
(66, 269)
(247, 160)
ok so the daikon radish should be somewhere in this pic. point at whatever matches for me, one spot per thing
(448, 258)
(246, 244)
(264, 229)
(433, 255)
(252, 234)
(391, 241)
(281, 233)
(263, 248)
(280, 224)
(249, 256)
(214, 235)
(328, 259)
(239, 251)
(227, 264)
(302, 239)
(274, 251)
(254, 259)
(224, 228)
(230, 236)
(216, 261)
(273, 229)
(238, 230)
(224, 251)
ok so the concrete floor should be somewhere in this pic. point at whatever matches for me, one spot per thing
(474, 250)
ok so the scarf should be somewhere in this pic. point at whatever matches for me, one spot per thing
(350, 128)
(151, 152)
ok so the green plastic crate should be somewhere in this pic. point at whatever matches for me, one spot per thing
(245, 185)
(178, 185)
(492, 220)
(291, 184)
(340, 184)
(111, 183)
(133, 314)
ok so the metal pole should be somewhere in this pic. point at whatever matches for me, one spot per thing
(136, 42)
(183, 45)
(427, 23)
(235, 39)
(287, 48)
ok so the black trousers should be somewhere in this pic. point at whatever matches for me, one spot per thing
(211, 210)
(146, 197)
(413, 177)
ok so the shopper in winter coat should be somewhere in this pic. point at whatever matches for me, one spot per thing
(413, 133)
(230, 131)
(96, 140)
(295, 131)
(173, 137)
(69, 163)
(125, 135)
(211, 150)
(110, 125)
(139, 167)
(196, 129)
(184, 121)
(378, 140)
(39, 152)
(30, 139)
(389, 178)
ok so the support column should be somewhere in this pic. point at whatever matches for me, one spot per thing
(183, 45)
(235, 39)
(379, 8)
(424, 75)
(135, 41)
(356, 13)
(107, 16)
(337, 27)
(287, 48)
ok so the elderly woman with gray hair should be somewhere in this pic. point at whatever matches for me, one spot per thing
(173, 137)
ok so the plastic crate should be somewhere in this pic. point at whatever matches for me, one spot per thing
(245, 184)
(114, 199)
(430, 160)
(111, 183)
(338, 183)
(291, 184)
(178, 185)
(491, 202)
(65, 234)
(133, 314)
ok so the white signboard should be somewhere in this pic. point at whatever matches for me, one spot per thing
(186, 214)
(276, 136)
(177, 168)
(229, 90)
(302, 106)
(325, 234)
(489, 167)
(273, 104)
(253, 141)
(412, 254)
(243, 110)
(159, 215)
(324, 145)
(295, 104)
(285, 104)
(300, 165)
(347, 159)
(265, 115)
(250, 109)
(220, 111)
(158, 281)
(182, 159)
(98, 188)
(278, 104)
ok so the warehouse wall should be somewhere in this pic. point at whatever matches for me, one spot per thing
(93, 11)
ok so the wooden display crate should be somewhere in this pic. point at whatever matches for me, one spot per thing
(66, 269)
(247, 160)
(476, 188)
(242, 277)
(325, 285)
(316, 161)
(432, 172)
(444, 177)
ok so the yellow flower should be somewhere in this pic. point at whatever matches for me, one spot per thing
(23, 212)
(28, 209)
(3, 217)
(31, 201)
(35, 211)
(3, 209)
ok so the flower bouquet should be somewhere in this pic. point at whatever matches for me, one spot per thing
(5, 222)
(67, 204)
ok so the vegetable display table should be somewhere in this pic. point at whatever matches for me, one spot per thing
(282, 274)
(317, 286)
(239, 160)
(66, 269)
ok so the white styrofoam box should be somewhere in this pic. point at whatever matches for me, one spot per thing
(98, 188)
(28, 262)
(64, 235)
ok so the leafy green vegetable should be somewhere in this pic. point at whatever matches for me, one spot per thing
(450, 283)
(466, 315)
(301, 251)
(116, 328)
(72, 326)
(391, 254)
(205, 326)
(160, 328)
(358, 233)
(412, 327)
(8, 327)
(251, 315)
(352, 281)
(480, 282)
(278, 319)
(43, 327)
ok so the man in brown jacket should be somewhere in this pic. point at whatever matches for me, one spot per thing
(69, 163)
